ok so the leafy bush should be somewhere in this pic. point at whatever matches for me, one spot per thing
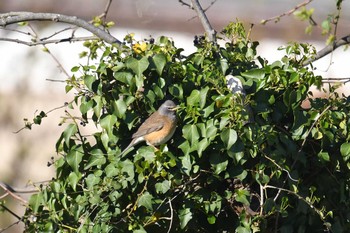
(244, 163)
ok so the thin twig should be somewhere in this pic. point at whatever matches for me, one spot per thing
(17, 17)
(171, 215)
(312, 126)
(8, 189)
(105, 12)
(9, 226)
(58, 32)
(60, 66)
(283, 169)
(278, 17)
(299, 197)
(30, 124)
(35, 43)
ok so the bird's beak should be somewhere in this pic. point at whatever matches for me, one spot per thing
(174, 108)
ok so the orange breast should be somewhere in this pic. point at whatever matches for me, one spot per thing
(164, 134)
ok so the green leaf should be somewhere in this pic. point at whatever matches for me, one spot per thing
(219, 163)
(71, 130)
(88, 81)
(108, 122)
(176, 90)
(163, 187)
(241, 229)
(140, 231)
(190, 132)
(85, 106)
(111, 170)
(185, 215)
(74, 157)
(92, 180)
(97, 158)
(146, 201)
(194, 98)
(345, 149)
(229, 137)
(137, 66)
(211, 219)
(254, 74)
(35, 202)
(186, 164)
(73, 180)
(124, 77)
(159, 61)
(224, 66)
(120, 108)
(203, 96)
(324, 156)
(241, 196)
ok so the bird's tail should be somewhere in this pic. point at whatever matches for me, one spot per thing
(133, 143)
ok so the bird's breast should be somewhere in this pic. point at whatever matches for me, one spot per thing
(164, 134)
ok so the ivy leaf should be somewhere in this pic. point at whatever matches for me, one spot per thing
(119, 108)
(211, 219)
(74, 157)
(159, 61)
(190, 132)
(69, 132)
(35, 201)
(111, 170)
(185, 215)
(163, 187)
(194, 98)
(97, 158)
(108, 122)
(88, 81)
(229, 137)
(91, 180)
(137, 66)
(345, 150)
(218, 163)
(73, 180)
(254, 74)
(124, 77)
(186, 164)
(146, 201)
(241, 196)
(324, 156)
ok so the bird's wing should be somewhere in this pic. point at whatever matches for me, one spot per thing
(152, 124)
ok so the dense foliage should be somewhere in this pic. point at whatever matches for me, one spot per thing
(237, 163)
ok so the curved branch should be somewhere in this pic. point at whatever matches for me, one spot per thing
(328, 49)
(17, 17)
(41, 42)
(204, 20)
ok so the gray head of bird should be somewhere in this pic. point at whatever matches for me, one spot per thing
(168, 108)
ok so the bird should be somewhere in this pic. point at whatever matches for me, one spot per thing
(158, 128)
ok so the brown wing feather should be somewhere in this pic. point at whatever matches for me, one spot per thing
(152, 124)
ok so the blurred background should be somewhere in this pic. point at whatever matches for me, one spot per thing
(26, 73)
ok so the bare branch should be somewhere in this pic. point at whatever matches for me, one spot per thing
(104, 14)
(32, 43)
(336, 80)
(328, 49)
(278, 17)
(204, 20)
(11, 191)
(17, 17)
